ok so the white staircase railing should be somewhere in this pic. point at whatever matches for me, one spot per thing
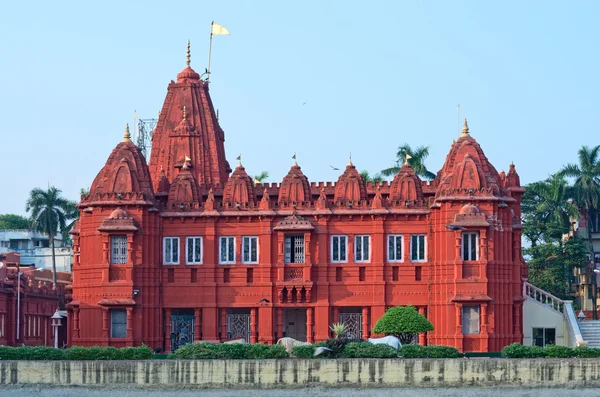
(561, 306)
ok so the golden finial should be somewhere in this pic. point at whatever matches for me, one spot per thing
(407, 157)
(350, 159)
(127, 135)
(465, 130)
(294, 157)
(239, 159)
(188, 57)
(184, 113)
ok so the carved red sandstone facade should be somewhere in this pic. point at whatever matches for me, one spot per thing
(180, 250)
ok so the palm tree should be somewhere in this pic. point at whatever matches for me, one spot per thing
(49, 214)
(368, 178)
(586, 192)
(416, 160)
(260, 177)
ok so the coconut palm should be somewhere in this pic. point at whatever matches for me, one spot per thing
(586, 193)
(368, 178)
(416, 159)
(49, 213)
(260, 177)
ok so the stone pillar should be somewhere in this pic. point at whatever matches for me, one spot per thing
(422, 335)
(336, 317)
(365, 322)
(279, 323)
(76, 322)
(309, 324)
(265, 324)
(321, 323)
(223, 324)
(253, 325)
(210, 324)
(105, 324)
(169, 330)
(129, 328)
(197, 320)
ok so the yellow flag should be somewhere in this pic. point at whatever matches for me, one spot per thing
(218, 29)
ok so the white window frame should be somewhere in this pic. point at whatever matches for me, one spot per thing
(424, 259)
(289, 248)
(119, 258)
(230, 240)
(403, 247)
(170, 260)
(469, 242)
(339, 237)
(247, 240)
(362, 260)
(193, 240)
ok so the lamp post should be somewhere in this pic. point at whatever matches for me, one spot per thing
(18, 337)
(56, 320)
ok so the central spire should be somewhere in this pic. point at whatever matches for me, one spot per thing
(188, 56)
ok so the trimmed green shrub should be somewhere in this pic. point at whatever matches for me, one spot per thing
(412, 351)
(559, 351)
(75, 353)
(442, 352)
(368, 350)
(586, 352)
(308, 351)
(404, 322)
(517, 350)
(234, 351)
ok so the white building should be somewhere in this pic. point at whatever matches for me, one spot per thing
(34, 248)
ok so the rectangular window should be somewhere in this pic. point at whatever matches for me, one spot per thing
(250, 249)
(171, 276)
(194, 250)
(361, 248)
(118, 323)
(226, 274)
(118, 250)
(470, 246)
(194, 276)
(339, 248)
(418, 273)
(470, 320)
(338, 274)
(417, 248)
(544, 336)
(171, 250)
(395, 248)
(249, 275)
(395, 273)
(227, 250)
(294, 249)
(362, 273)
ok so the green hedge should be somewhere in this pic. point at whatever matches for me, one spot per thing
(75, 353)
(418, 351)
(368, 350)
(516, 350)
(234, 351)
(308, 351)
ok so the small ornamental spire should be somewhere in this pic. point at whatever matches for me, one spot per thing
(350, 160)
(294, 157)
(239, 159)
(407, 157)
(465, 130)
(184, 113)
(126, 135)
(188, 57)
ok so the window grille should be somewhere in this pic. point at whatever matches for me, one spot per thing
(118, 250)
(395, 248)
(361, 248)
(339, 248)
(417, 248)
(171, 250)
(194, 250)
(227, 250)
(294, 249)
(250, 249)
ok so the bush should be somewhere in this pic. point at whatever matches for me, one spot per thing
(559, 351)
(234, 351)
(412, 351)
(368, 350)
(517, 350)
(308, 351)
(75, 353)
(403, 322)
(586, 352)
(442, 352)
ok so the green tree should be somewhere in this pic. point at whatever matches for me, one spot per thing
(12, 221)
(586, 193)
(416, 160)
(547, 210)
(404, 322)
(49, 213)
(551, 265)
(368, 178)
(260, 177)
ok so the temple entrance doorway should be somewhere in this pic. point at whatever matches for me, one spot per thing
(294, 324)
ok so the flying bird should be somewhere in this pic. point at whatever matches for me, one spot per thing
(304, 103)
(334, 168)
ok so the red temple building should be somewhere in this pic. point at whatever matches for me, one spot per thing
(182, 249)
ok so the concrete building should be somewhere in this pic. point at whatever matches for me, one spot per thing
(34, 249)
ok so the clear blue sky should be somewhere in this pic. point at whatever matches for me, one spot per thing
(374, 75)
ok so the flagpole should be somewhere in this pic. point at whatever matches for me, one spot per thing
(209, 51)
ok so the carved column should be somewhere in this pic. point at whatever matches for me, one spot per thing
(365, 322)
(279, 323)
(197, 319)
(223, 324)
(168, 324)
(129, 323)
(484, 325)
(105, 324)
(76, 321)
(253, 325)
(422, 335)
(309, 324)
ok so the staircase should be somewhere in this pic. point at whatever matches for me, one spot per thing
(590, 330)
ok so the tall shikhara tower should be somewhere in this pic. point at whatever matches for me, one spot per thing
(188, 128)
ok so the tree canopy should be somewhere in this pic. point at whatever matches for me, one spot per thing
(13, 221)
(404, 322)
(416, 160)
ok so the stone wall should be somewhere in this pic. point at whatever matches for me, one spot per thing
(300, 373)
